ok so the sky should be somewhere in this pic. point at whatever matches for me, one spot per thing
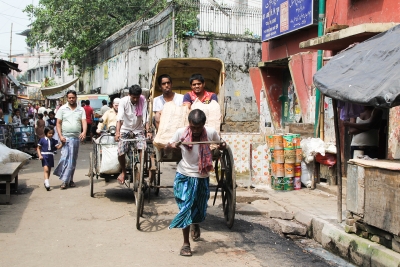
(11, 12)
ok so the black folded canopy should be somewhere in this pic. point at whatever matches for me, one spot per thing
(367, 74)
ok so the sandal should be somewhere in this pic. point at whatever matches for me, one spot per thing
(195, 231)
(186, 251)
(72, 184)
(63, 186)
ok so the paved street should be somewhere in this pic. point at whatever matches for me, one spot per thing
(69, 228)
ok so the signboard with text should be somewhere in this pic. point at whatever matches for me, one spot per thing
(283, 16)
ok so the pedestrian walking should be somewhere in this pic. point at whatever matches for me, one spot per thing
(191, 182)
(89, 118)
(45, 149)
(39, 128)
(71, 119)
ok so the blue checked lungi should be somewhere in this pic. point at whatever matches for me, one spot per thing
(191, 195)
(69, 156)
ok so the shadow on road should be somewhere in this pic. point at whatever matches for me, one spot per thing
(11, 214)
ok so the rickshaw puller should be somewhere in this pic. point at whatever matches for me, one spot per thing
(131, 111)
(192, 177)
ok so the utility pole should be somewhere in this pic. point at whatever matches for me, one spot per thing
(11, 40)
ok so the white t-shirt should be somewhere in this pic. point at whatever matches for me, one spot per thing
(41, 110)
(189, 164)
(127, 114)
(159, 101)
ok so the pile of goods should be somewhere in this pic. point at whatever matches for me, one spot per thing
(285, 163)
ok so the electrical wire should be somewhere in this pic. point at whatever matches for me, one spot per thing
(13, 16)
(11, 5)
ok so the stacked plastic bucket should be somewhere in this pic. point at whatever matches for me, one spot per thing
(286, 156)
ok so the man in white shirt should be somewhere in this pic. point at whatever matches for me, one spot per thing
(132, 115)
(109, 117)
(104, 108)
(192, 176)
(41, 110)
(165, 84)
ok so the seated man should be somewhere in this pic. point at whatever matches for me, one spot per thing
(109, 117)
(165, 83)
(131, 111)
(198, 84)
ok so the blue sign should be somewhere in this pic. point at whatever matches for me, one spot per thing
(284, 16)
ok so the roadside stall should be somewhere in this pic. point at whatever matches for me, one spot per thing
(368, 74)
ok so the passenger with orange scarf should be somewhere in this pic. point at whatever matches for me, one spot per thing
(198, 85)
(192, 176)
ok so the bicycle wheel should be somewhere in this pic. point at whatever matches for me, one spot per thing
(91, 173)
(140, 192)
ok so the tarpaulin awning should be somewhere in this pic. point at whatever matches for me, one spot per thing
(15, 81)
(57, 96)
(46, 91)
(36, 85)
(367, 74)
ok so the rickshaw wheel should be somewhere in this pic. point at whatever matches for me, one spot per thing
(228, 190)
(158, 179)
(140, 192)
(91, 174)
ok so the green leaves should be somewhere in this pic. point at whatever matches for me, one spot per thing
(76, 26)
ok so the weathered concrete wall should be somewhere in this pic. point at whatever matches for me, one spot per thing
(134, 67)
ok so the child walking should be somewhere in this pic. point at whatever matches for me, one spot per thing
(46, 147)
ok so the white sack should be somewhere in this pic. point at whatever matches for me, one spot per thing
(312, 146)
(172, 118)
(12, 155)
(109, 160)
(212, 111)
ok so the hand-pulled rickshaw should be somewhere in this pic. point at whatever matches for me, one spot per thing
(144, 168)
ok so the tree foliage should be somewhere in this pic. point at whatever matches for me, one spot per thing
(76, 26)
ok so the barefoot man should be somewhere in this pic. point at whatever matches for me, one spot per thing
(130, 124)
(192, 176)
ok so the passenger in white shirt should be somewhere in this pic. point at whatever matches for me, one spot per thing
(132, 115)
(165, 83)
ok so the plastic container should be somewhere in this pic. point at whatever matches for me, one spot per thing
(279, 183)
(289, 169)
(279, 156)
(288, 141)
(290, 156)
(297, 183)
(278, 141)
(288, 184)
(299, 155)
(280, 169)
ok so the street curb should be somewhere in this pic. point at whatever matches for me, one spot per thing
(358, 250)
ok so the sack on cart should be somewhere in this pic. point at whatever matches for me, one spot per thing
(109, 160)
